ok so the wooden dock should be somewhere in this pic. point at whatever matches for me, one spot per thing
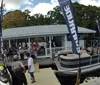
(45, 76)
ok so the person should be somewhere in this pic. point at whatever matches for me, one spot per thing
(19, 70)
(36, 48)
(21, 52)
(26, 46)
(82, 50)
(10, 53)
(31, 68)
(31, 51)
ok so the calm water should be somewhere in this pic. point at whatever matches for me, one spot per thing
(66, 80)
(70, 80)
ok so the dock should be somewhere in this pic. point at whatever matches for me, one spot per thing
(44, 76)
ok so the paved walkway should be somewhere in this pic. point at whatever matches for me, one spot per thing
(44, 77)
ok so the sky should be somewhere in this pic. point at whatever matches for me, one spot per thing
(41, 6)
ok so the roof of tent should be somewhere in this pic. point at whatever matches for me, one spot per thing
(40, 31)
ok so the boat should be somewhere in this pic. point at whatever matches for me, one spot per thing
(67, 63)
(74, 62)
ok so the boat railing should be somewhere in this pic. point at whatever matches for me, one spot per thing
(55, 49)
(69, 48)
(93, 59)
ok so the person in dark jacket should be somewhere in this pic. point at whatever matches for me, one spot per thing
(19, 70)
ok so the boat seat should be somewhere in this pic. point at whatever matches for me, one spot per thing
(64, 51)
(74, 56)
(69, 56)
(85, 55)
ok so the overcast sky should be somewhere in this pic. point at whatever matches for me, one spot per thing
(41, 6)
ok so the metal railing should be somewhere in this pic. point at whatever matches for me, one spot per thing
(55, 49)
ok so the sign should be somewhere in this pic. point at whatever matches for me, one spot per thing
(66, 7)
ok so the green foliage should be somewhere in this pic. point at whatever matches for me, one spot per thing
(56, 16)
(85, 17)
(14, 19)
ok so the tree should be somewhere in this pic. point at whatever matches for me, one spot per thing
(27, 17)
(84, 16)
(38, 19)
(55, 16)
(14, 19)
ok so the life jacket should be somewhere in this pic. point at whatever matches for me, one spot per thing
(3, 73)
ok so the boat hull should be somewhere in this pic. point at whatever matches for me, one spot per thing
(71, 66)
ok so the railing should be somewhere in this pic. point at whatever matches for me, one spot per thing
(95, 58)
(55, 49)
(69, 48)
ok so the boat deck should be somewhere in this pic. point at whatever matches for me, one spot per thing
(45, 76)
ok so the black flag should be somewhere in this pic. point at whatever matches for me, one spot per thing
(1, 22)
(66, 7)
(1, 9)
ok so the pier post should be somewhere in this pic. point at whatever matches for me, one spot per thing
(9, 44)
(50, 45)
(29, 42)
(65, 42)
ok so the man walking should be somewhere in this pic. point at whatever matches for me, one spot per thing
(31, 68)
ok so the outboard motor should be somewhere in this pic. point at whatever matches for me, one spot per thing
(4, 76)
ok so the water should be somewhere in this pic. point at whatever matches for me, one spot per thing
(70, 80)
(66, 80)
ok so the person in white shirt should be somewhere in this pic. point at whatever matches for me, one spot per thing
(31, 68)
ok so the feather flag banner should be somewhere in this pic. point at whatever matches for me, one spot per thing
(66, 7)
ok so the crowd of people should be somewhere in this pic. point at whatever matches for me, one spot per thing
(21, 50)
(17, 66)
